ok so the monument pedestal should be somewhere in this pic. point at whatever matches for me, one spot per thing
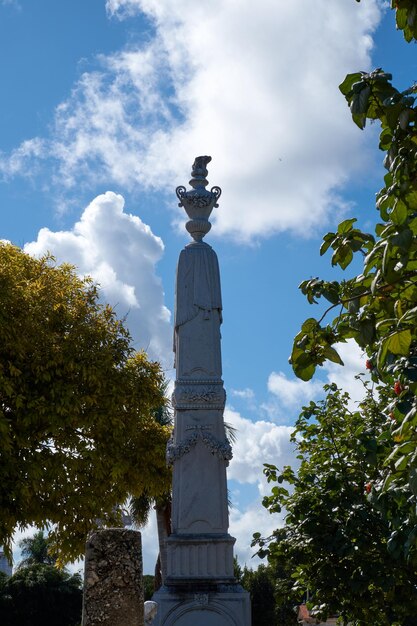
(199, 587)
(202, 604)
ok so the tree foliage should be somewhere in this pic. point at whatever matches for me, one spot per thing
(269, 587)
(270, 607)
(36, 549)
(377, 308)
(77, 405)
(41, 594)
(337, 539)
(351, 526)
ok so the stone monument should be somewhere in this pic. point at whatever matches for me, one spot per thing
(200, 588)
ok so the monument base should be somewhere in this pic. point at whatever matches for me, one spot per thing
(204, 604)
(201, 558)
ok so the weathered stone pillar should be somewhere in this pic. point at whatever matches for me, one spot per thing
(113, 589)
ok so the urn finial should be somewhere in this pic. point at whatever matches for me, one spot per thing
(198, 202)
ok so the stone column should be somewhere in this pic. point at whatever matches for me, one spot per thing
(113, 588)
(200, 586)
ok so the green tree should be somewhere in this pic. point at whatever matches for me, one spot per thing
(351, 527)
(337, 535)
(148, 586)
(377, 308)
(269, 607)
(40, 595)
(35, 549)
(261, 588)
(77, 427)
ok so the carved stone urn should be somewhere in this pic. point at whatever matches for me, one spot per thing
(198, 202)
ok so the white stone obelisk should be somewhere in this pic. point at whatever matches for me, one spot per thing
(200, 589)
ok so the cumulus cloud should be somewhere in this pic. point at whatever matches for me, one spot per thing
(256, 88)
(354, 359)
(257, 443)
(265, 441)
(120, 252)
(243, 523)
(292, 393)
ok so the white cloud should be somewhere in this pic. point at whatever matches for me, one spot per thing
(257, 443)
(255, 518)
(256, 88)
(354, 359)
(292, 393)
(120, 252)
(245, 394)
(267, 442)
(29, 151)
(122, 8)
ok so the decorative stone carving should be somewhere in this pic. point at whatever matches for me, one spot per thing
(222, 449)
(199, 396)
(201, 598)
(198, 202)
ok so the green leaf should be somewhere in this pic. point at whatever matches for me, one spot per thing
(325, 246)
(401, 18)
(412, 480)
(331, 355)
(346, 86)
(399, 213)
(310, 325)
(304, 367)
(409, 315)
(342, 256)
(366, 332)
(403, 240)
(346, 226)
(359, 104)
(399, 342)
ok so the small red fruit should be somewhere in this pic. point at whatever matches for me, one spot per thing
(369, 364)
(368, 487)
(398, 387)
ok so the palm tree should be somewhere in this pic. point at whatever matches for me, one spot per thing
(35, 549)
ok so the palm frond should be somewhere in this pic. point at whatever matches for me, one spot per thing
(231, 432)
(140, 508)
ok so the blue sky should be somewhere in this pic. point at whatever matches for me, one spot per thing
(104, 106)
